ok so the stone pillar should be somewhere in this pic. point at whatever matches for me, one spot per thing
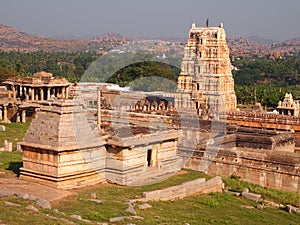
(5, 119)
(31, 90)
(99, 109)
(63, 92)
(48, 93)
(18, 117)
(67, 92)
(42, 94)
(23, 116)
(1, 113)
(13, 92)
(9, 94)
(21, 92)
(36, 94)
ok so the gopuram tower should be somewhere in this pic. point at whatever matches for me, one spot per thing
(205, 82)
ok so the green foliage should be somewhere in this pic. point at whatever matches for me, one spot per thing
(6, 73)
(68, 65)
(267, 95)
(147, 76)
(265, 80)
(279, 196)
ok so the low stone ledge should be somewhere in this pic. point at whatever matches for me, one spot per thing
(251, 196)
(179, 191)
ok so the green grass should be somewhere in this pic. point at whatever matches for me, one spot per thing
(10, 162)
(215, 208)
(114, 196)
(14, 133)
(279, 196)
(16, 215)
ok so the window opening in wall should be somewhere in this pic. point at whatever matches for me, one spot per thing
(149, 154)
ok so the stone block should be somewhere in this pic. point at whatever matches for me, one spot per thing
(2, 128)
(43, 203)
(251, 196)
(31, 208)
(9, 147)
(144, 206)
(292, 209)
(19, 147)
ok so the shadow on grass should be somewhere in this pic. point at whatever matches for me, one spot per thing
(15, 167)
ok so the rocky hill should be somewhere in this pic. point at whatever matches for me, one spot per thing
(251, 46)
(12, 39)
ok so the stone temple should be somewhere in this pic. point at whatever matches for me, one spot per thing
(205, 82)
(129, 138)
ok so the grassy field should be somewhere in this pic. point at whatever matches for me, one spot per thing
(10, 162)
(275, 195)
(14, 132)
(216, 208)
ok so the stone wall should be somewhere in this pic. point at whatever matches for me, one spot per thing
(266, 121)
(141, 164)
(198, 186)
(278, 170)
(61, 150)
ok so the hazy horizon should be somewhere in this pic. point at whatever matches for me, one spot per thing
(269, 19)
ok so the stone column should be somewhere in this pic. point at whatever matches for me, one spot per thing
(23, 116)
(63, 92)
(42, 94)
(13, 92)
(36, 94)
(5, 119)
(9, 94)
(67, 92)
(48, 93)
(18, 117)
(1, 113)
(32, 94)
(99, 109)
(21, 92)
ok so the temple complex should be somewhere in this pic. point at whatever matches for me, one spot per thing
(64, 150)
(41, 86)
(205, 82)
(107, 133)
(19, 96)
(289, 106)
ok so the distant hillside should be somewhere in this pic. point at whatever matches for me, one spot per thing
(260, 40)
(12, 39)
(259, 47)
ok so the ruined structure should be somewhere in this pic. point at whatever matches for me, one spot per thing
(205, 82)
(41, 86)
(57, 153)
(144, 136)
(19, 95)
(62, 149)
(289, 106)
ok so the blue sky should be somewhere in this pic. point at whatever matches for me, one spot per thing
(272, 19)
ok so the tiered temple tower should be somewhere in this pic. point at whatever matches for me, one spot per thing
(205, 82)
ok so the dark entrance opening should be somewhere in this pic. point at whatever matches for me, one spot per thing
(149, 153)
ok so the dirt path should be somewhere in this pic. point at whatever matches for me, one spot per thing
(13, 184)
